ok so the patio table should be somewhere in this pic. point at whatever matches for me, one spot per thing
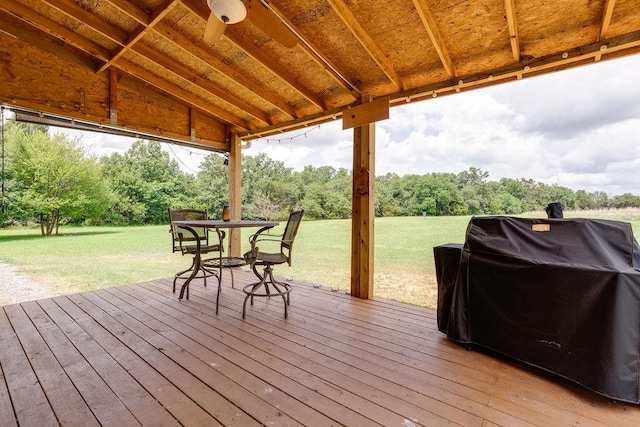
(222, 261)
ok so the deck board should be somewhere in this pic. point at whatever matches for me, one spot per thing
(135, 355)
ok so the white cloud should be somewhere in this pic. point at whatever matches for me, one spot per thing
(577, 128)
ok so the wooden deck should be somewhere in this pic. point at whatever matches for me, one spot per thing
(136, 355)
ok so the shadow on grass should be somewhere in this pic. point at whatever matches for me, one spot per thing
(16, 237)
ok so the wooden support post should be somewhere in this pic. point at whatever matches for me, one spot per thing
(235, 192)
(362, 231)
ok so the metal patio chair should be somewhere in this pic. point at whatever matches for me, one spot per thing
(267, 285)
(185, 242)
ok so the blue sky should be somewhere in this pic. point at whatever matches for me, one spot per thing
(579, 128)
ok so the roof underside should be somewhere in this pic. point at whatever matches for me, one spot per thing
(142, 65)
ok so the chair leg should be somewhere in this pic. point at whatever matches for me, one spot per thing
(218, 295)
(196, 267)
(177, 275)
(279, 288)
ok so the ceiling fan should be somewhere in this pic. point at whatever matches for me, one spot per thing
(226, 12)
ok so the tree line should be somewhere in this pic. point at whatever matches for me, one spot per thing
(53, 180)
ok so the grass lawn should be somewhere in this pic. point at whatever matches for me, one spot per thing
(87, 258)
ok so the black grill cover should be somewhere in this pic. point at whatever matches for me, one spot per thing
(559, 294)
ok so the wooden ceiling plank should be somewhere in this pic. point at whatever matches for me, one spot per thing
(436, 37)
(141, 31)
(277, 70)
(144, 75)
(72, 10)
(366, 41)
(58, 31)
(34, 19)
(606, 18)
(102, 26)
(201, 10)
(512, 23)
(190, 77)
(181, 41)
(320, 59)
(577, 57)
(559, 60)
(204, 56)
(133, 11)
(33, 38)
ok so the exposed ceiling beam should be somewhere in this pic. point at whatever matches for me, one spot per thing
(434, 34)
(188, 76)
(135, 12)
(41, 40)
(144, 75)
(606, 18)
(56, 30)
(89, 19)
(203, 55)
(322, 60)
(566, 59)
(179, 40)
(121, 38)
(32, 18)
(200, 9)
(366, 41)
(141, 31)
(512, 23)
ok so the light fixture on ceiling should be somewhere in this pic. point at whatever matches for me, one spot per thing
(228, 11)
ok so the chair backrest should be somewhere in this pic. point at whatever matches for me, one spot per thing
(290, 231)
(187, 237)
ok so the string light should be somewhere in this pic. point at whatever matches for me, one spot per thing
(291, 138)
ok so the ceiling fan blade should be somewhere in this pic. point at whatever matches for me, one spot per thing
(214, 29)
(268, 22)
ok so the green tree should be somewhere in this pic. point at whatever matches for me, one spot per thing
(56, 179)
(212, 185)
(601, 199)
(265, 178)
(146, 183)
(389, 196)
(626, 200)
(434, 194)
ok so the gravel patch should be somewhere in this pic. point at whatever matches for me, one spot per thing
(16, 287)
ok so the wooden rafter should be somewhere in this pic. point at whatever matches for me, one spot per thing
(606, 18)
(577, 56)
(176, 92)
(37, 38)
(197, 52)
(365, 40)
(512, 23)
(219, 66)
(56, 30)
(179, 71)
(321, 59)
(46, 25)
(187, 75)
(141, 31)
(434, 34)
(201, 10)
(90, 20)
